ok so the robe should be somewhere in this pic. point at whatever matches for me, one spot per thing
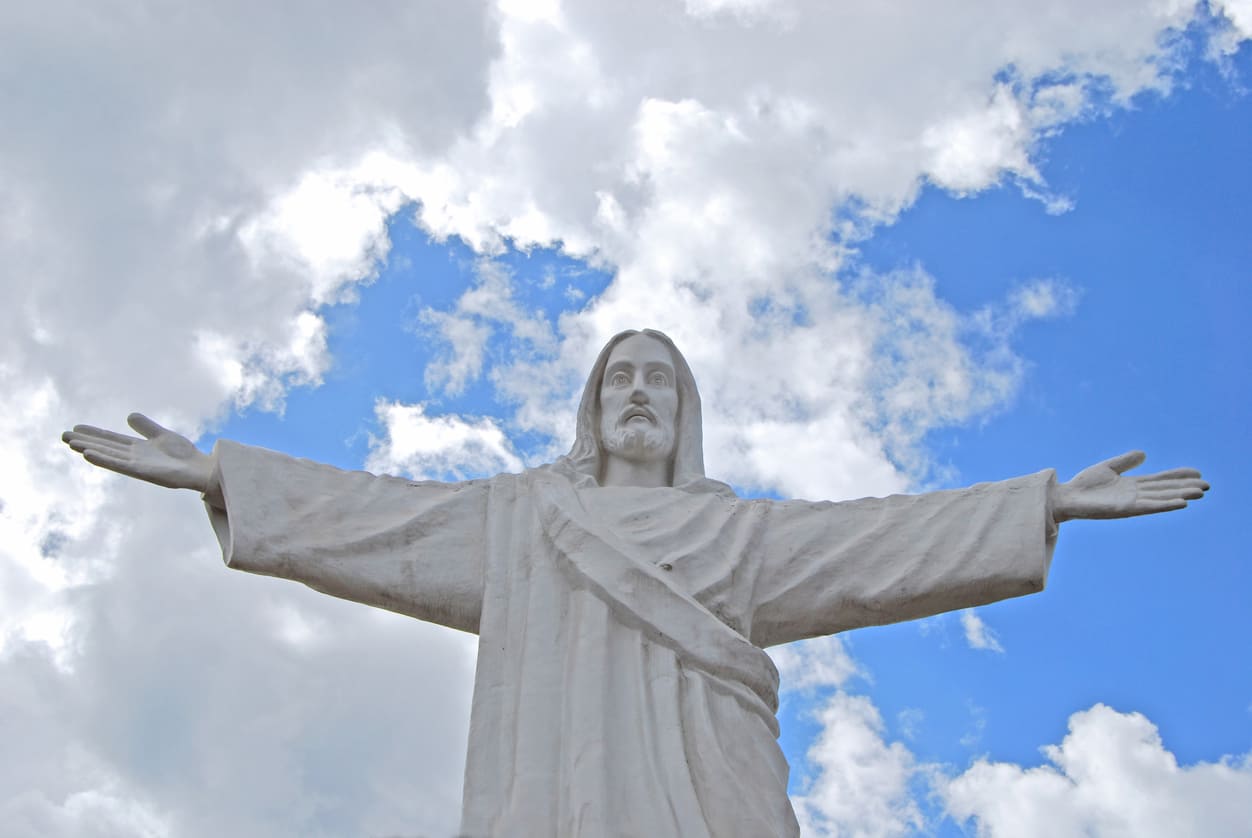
(621, 684)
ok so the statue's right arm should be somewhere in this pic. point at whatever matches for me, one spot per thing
(160, 456)
(413, 547)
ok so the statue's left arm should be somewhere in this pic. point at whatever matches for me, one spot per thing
(828, 567)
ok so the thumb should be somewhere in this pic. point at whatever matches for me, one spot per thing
(145, 426)
(1125, 462)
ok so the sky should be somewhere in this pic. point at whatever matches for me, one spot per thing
(904, 247)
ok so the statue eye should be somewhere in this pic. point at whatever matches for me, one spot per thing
(660, 379)
(620, 379)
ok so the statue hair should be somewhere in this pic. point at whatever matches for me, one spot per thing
(586, 457)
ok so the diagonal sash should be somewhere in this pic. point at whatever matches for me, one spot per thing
(643, 596)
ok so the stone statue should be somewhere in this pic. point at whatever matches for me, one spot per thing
(622, 599)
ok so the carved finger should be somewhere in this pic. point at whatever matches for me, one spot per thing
(101, 433)
(1151, 507)
(81, 444)
(108, 461)
(1172, 474)
(1125, 462)
(1158, 485)
(1193, 493)
(145, 426)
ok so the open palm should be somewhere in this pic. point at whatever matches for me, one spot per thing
(160, 456)
(1104, 491)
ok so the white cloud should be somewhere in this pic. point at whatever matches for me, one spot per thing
(971, 150)
(708, 183)
(1042, 298)
(487, 307)
(217, 704)
(94, 813)
(330, 228)
(747, 12)
(861, 783)
(810, 664)
(978, 634)
(1110, 776)
(438, 447)
(181, 191)
(909, 721)
(1237, 15)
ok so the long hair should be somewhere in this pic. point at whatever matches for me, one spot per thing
(586, 457)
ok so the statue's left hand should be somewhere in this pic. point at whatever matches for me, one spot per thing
(1104, 491)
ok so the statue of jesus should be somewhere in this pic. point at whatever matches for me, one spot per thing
(622, 599)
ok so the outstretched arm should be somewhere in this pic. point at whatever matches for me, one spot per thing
(1103, 490)
(828, 567)
(413, 547)
(161, 456)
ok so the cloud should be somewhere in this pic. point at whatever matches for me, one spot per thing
(488, 307)
(1235, 26)
(726, 195)
(846, 378)
(173, 213)
(212, 703)
(978, 634)
(438, 447)
(862, 783)
(1110, 776)
(810, 664)
(1041, 298)
(1239, 13)
(172, 220)
(329, 228)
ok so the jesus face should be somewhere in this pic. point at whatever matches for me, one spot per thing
(638, 401)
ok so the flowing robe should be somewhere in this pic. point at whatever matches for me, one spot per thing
(621, 686)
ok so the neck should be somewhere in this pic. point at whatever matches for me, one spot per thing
(649, 475)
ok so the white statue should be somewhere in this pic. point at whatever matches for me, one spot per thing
(622, 599)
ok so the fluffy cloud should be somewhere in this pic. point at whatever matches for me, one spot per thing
(171, 219)
(438, 447)
(703, 165)
(862, 784)
(199, 702)
(490, 306)
(1236, 19)
(1110, 776)
(810, 664)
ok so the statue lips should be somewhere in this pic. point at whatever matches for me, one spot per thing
(636, 410)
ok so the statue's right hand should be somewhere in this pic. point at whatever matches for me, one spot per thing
(162, 456)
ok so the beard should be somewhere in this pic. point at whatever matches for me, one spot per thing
(638, 444)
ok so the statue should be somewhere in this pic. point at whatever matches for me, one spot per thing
(623, 599)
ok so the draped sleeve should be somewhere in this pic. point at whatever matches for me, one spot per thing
(828, 567)
(416, 548)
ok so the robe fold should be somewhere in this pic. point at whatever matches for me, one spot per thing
(621, 686)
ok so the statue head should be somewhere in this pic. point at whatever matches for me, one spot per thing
(640, 403)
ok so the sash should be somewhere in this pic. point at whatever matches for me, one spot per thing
(642, 596)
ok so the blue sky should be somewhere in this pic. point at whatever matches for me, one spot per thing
(1030, 252)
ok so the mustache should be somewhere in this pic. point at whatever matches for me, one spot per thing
(636, 410)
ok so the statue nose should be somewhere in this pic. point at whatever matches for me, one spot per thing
(638, 396)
